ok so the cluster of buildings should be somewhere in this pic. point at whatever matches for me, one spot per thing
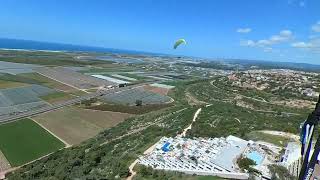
(216, 156)
(278, 79)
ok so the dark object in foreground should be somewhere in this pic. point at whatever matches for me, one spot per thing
(306, 136)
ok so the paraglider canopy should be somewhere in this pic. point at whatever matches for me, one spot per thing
(178, 42)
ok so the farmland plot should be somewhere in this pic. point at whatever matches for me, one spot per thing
(130, 96)
(23, 141)
(17, 100)
(73, 78)
(22, 95)
(75, 125)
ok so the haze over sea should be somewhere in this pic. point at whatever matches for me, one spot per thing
(37, 45)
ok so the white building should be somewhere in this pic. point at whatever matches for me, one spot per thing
(291, 158)
(201, 156)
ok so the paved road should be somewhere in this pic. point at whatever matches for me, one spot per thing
(63, 104)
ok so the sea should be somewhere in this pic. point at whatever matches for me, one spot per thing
(48, 46)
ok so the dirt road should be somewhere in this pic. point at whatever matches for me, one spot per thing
(183, 134)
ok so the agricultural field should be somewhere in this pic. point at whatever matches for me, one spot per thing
(134, 76)
(56, 97)
(47, 58)
(35, 78)
(40, 79)
(110, 79)
(124, 77)
(110, 153)
(129, 109)
(23, 141)
(73, 78)
(7, 111)
(157, 90)
(75, 125)
(10, 84)
(16, 68)
(130, 96)
(22, 95)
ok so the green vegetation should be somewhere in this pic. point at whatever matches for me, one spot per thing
(231, 115)
(147, 173)
(280, 141)
(56, 97)
(9, 84)
(245, 163)
(223, 119)
(135, 76)
(23, 141)
(109, 68)
(280, 172)
(110, 153)
(39, 79)
(35, 78)
(47, 58)
(89, 102)
(18, 78)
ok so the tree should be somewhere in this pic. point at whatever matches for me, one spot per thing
(280, 172)
(245, 163)
(138, 102)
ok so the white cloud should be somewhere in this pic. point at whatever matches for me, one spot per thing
(301, 4)
(313, 45)
(301, 45)
(249, 43)
(244, 30)
(316, 27)
(283, 36)
(286, 33)
(313, 36)
(264, 42)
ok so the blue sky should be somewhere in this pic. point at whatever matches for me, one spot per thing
(277, 30)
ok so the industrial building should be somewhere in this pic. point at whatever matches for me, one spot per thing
(202, 156)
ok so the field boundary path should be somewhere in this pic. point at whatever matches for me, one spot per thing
(62, 82)
(4, 165)
(60, 139)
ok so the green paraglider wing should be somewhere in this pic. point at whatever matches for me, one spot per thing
(178, 42)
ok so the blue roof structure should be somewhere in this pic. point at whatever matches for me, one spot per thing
(165, 147)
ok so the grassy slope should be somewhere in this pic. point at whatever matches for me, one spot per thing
(23, 141)
(274, 139)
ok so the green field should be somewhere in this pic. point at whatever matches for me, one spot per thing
(56, 97)
(23, 141)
